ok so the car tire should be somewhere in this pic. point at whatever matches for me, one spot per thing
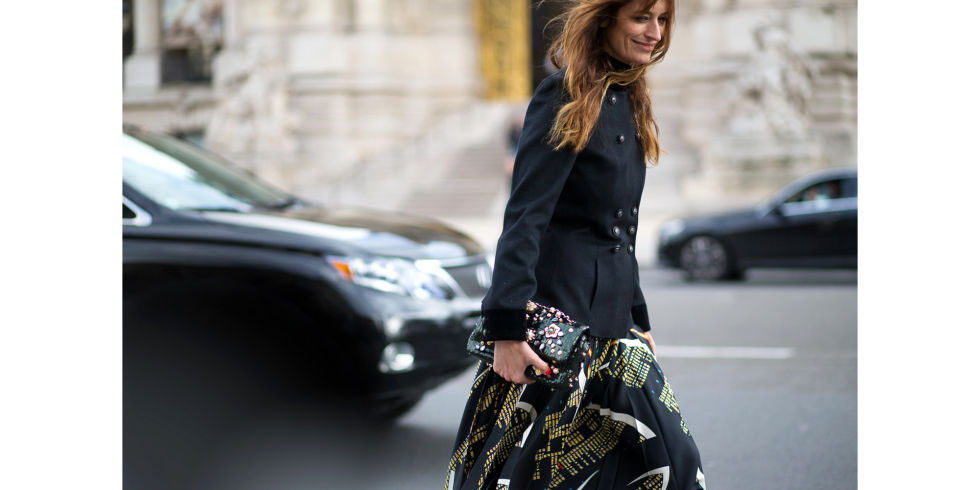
(705, 258)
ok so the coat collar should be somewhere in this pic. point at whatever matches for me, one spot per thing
(618, 87)
(618, 66)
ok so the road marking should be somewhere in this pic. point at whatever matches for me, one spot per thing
(712, 352)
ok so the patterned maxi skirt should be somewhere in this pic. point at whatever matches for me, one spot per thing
(619, 427)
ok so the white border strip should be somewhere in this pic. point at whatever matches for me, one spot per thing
(636, 343)
(665, 470)
(527, 407)
(624, 418)
(580, 487)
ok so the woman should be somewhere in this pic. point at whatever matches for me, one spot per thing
(568, 242)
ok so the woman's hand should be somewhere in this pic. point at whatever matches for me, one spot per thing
(512, 357)
(649, 338)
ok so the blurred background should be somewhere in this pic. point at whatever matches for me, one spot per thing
(406, 104)
(409, 107)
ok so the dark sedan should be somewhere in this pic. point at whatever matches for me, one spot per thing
(226, 271)
(810, 223)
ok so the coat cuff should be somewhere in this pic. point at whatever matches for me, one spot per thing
(504, 324)
(641, 318)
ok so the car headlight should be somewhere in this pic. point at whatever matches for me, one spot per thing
(391, 275)
(671, 228)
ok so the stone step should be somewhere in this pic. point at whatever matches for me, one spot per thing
(471, 185)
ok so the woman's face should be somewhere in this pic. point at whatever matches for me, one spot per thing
(636, 32)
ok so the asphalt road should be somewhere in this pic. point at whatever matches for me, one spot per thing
(765, 372)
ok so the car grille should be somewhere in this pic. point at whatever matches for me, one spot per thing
(471, 277)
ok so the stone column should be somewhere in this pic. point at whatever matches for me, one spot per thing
(142, 68)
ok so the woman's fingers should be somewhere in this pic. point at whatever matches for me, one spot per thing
(506, 359)
(522, 379)
(534, 360)
(511, 359)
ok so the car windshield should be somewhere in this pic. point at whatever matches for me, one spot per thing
(181, 176)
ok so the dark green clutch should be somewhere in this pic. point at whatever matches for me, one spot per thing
(556, 338)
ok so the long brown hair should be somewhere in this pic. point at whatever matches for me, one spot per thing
(590, 71)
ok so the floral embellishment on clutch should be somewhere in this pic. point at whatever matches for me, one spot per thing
(553, 331)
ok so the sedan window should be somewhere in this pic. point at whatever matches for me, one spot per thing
(830, 189)
(849, 188)
(826, 196)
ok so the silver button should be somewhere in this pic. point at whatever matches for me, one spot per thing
(620, 139)
(629, 249)
(634, 211)
(614, 249)
(612, 99)
(619, 213)
(631, 230)
(615, 230)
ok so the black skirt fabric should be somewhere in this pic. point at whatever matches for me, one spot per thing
(619, 427)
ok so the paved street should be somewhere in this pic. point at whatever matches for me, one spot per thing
(765, 372)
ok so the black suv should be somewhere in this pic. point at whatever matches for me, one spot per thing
(226, 271)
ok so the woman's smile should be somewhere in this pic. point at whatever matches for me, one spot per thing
(633, 35)
(648, 47)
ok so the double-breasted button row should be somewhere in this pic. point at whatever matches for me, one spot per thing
(617, 231)
(617, 248)
(619, 212)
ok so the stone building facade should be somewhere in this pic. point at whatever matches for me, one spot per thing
(301, 90)
(753, 94)
(360, 101)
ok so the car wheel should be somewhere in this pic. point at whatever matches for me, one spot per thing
(705, 258)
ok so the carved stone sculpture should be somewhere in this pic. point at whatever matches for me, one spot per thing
(770, 97)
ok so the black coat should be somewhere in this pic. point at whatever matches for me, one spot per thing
(570, 224)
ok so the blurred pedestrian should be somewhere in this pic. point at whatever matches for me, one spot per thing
(568, 242)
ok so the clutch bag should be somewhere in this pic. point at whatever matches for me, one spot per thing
(560, 341)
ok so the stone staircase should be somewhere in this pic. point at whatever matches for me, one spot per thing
(452, 169)
(474, 184)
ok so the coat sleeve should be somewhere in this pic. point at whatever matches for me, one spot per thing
(539, 175)
(639, 309)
